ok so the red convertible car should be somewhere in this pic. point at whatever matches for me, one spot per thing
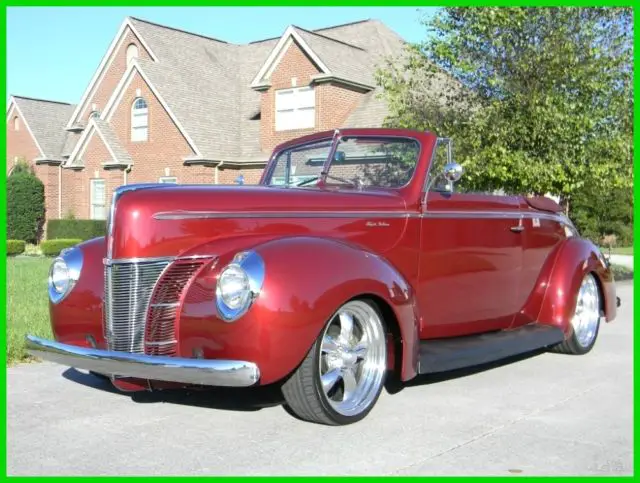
(354, 260)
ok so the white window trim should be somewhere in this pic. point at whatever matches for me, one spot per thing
(16, 123)
(131, 53)
(299, 118)
(92, 204)
(136, 130)
(165, 179)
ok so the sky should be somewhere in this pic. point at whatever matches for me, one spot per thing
(53, 52)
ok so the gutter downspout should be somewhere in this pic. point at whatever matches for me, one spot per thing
(127, 170)
(60, 191)
(216, 172)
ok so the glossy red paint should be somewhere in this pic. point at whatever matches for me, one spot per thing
(279, 329)
(577, 258)
(443, 264)
(79, 315)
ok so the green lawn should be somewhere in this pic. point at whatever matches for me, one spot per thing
(621, 251)
(27, 303)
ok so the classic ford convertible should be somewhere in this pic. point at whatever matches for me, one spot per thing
(353, 261)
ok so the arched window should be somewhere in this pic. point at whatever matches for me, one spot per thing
(132, 52)
(94, 114)
(139, 120)
(16, 123)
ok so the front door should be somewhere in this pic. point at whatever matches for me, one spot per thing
(470, 264)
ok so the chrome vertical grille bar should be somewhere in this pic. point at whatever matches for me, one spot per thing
(128, 289)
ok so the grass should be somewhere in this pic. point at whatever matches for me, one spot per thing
(621, 251)
(27, 304)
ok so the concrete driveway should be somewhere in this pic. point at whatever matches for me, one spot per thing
(546, 414)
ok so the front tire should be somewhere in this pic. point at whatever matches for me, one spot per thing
(585, 322)
(343, 374)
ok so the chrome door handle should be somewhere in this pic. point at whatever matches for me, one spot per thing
(517, 228)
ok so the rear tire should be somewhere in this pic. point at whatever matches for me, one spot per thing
(585, 323)
(343, 374)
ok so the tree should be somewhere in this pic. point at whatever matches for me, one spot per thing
(537, 100)
(25, 207)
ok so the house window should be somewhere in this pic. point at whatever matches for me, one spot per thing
(16, 123)
(139, 120)
(132, 53)
(295, 108)
(98, 200)
(94, 114)
(168, 179)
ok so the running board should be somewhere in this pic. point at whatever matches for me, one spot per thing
(439, 355)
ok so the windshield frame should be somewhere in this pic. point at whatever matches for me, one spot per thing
(335, 141)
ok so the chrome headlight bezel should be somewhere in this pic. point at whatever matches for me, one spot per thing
(69, 260)
(250, 265)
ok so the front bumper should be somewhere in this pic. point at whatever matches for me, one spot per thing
(156, 368)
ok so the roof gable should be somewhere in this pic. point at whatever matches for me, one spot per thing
(127, 25)
(45, 122)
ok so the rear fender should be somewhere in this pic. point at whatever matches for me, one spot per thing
(577, 257)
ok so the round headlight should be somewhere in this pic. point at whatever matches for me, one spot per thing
(233, 287)
(239, 283)
(64, 273)
(59, 278)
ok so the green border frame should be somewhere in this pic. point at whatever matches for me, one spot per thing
(308, 3)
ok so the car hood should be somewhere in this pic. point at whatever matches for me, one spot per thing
(166, 220)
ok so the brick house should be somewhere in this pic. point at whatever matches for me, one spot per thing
(166, 105)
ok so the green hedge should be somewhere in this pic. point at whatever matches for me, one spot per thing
(15, 247)
(82, 229)
(52, 248)
(25, 207)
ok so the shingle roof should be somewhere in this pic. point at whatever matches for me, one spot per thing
(344, 60)
(120, 154)
(206, 82)
(46, 119)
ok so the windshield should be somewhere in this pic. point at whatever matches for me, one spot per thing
(358, 161)
(385, 162)
(300, 164)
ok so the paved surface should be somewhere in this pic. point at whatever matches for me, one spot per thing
(546, 414)
(624, 260)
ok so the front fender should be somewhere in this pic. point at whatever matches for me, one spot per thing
(306, 280)
(79, 315)
(577, 257)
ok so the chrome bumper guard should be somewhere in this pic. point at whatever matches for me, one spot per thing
(209, 372)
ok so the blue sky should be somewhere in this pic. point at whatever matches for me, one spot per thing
(53, 52)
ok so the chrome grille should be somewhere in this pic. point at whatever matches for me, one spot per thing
(128, 290)
(160, 337)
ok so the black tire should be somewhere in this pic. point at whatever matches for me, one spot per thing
(571, 344)
(303, 391)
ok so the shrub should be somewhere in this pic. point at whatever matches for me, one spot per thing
(52, 248)
(82, 229)
(15, 247)
(620, 272)
(25, 207)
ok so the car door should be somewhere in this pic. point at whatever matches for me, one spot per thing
(470, 263)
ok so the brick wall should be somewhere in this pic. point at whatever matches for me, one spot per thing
(334, 103)
(104, 87)
(228, 176)
(20, 143)
(165, 146)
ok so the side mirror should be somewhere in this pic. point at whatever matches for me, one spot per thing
(452, 172)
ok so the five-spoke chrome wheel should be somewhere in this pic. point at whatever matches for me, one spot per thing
(587, 314)
(585, 321)
(353, 358)
(342, 376)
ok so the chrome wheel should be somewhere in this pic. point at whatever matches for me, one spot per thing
(587, 314)
(353, 358)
